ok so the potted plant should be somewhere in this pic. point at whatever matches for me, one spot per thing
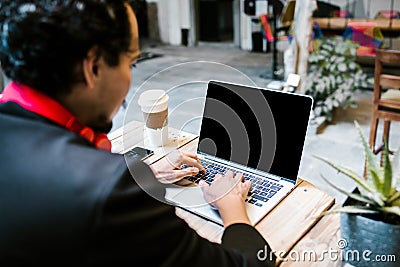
(333, 75)
(370, 217)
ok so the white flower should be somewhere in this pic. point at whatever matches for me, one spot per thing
(342, 67)
(339, 97)
(328, 103)
(332, 80)
(27, 8)
(327, 47)
(317, 111)
(325, 81)
(324, 53)
(320, 87)
(340, 59)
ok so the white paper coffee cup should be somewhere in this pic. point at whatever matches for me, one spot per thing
(154, 105)
(157, 137)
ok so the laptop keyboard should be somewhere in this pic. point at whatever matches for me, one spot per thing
(261, 189)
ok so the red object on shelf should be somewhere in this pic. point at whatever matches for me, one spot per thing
(388, 14)
(342, 14)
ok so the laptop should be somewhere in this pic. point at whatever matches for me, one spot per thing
(254, 131)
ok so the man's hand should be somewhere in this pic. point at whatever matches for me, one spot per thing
(168, 169)
(225, 188)
(227, 193)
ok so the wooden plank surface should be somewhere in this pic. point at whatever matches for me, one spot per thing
(341, 23)
(285, 225)
(288, 222)
(132, 134)
(320, 246)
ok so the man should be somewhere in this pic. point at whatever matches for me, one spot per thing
(65, 199)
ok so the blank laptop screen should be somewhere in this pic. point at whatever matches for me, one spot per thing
(259, 128)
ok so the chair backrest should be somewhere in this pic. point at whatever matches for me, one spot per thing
(390, 57)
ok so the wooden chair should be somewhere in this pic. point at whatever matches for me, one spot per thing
(386, 103)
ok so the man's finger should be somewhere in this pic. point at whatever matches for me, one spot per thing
(204, 188)
(187, 172)
(217, 176)
(246, 187)
(239, 176)
(192, 162)
(229, 174)
(189, 154)
(176, 175)
(203, 184)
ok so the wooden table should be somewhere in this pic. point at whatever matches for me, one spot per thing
(293, 228)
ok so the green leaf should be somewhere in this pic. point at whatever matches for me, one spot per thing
(352, 209)
(350, 173)
(369, 155)
(378, 198)
(393, 209)
(377, 181)
(395, 197)
(396, 203)
(396, 168)
(387, 172)
(357, 197)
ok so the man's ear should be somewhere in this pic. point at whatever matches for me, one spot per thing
(90, 67)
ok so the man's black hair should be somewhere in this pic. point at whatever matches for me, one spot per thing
(42, 42)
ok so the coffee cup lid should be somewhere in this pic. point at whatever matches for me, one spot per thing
(153, 101)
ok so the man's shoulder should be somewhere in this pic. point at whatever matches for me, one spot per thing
(32, 142)
(46, 160)
(53, 183)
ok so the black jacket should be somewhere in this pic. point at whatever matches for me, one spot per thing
(65, 203)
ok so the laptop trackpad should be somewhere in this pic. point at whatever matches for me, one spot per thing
(192, 199)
